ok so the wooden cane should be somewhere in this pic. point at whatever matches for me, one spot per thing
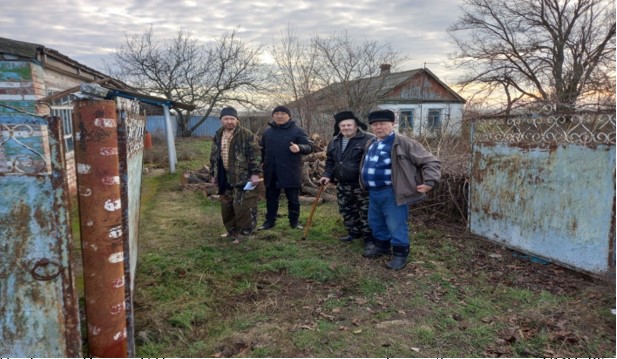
(309, 221)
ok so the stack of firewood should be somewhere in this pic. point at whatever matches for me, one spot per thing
(199, 180)
(313, 168)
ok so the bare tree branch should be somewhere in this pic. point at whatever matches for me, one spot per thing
(207, 75)
(323, 75)
(557, 51)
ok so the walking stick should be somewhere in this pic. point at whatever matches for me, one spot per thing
(309, 221)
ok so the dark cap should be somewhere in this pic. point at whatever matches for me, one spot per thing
(229, 111)
(346, 115)
(281, 109)
(381, 115)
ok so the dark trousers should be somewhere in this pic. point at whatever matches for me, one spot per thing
(239, 210)
(272, 203)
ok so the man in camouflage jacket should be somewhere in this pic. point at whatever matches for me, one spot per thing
(234, 161)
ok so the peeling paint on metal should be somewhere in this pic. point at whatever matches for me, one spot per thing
(39, 301)
(553, 202)
(131, 145)
(103, 258)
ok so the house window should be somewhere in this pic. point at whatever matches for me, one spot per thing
(66, 114)
(434, 119)
(406, 120)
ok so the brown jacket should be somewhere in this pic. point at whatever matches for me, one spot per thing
(411, 165)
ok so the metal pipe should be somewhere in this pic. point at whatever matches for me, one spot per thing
(171, 147)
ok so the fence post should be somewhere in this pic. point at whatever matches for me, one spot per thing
(102, 237)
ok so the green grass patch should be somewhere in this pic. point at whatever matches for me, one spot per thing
(199, 295)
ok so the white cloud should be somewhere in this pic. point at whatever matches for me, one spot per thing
(89, 31)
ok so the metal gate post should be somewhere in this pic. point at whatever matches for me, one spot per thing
(99, 194)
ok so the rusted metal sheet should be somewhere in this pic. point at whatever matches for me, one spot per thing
(102, 229)
(39, 312)
(552, 199)
(131, 129)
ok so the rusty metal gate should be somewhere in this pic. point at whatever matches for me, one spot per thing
(39, 309)
(545, 186)
(109, 154)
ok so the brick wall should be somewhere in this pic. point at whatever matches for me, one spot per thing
(19, 86)
(24, 82)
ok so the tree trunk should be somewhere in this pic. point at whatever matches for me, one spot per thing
(183, 124)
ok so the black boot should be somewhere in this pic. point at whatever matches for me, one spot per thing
(379, 249)
(369, 243)
(399, 258)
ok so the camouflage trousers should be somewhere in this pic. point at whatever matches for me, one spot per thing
(353, 206)
(239, 210)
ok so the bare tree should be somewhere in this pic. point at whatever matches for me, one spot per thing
(296, 74)
(223, 71)
(331, 73)
(555, 51)
(356, 69)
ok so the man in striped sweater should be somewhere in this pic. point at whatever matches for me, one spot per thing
(397, 171)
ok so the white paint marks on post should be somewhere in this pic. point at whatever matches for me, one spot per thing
(116, 257)
(105, 122)
(113, 205)
(83, 168)
(109, 151)
(111, 180)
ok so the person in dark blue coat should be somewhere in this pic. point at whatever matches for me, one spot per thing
(282, 145)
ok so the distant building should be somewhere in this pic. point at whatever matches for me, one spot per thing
(423, 104)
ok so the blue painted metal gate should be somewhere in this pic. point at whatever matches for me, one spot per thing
(39, 310)
(546, 186)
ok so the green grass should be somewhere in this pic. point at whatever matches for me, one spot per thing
(198, 295)
(372, 286)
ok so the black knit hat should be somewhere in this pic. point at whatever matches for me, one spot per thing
(281, 109)
(346, 115)
(380, 115)
(229, 111)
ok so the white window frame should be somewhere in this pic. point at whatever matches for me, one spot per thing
(407, 122)
(434, 118)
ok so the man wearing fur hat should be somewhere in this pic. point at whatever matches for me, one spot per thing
(344, 154)
(283, 143)
(235, 160)
(397, 171)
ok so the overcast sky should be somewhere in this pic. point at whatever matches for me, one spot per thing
(88, 31)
